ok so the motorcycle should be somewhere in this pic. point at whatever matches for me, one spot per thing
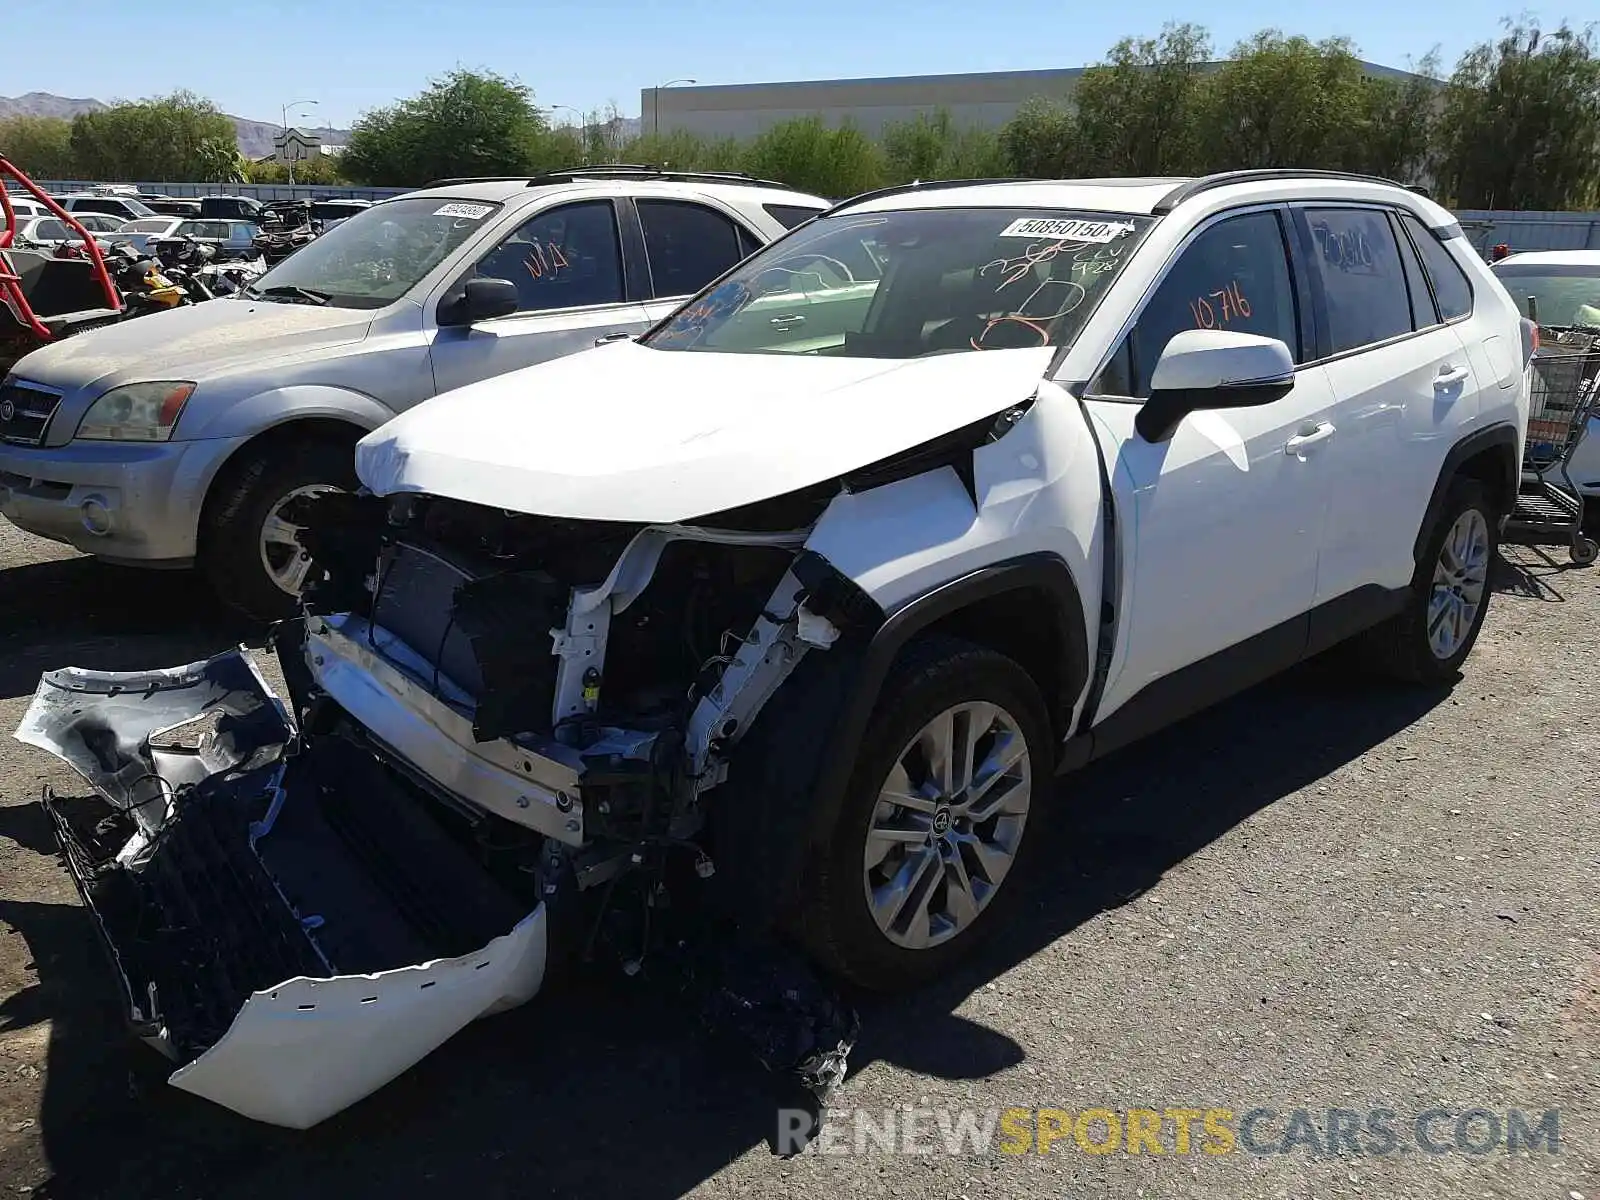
(144, 285)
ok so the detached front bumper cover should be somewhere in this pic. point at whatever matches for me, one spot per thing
(222, 881)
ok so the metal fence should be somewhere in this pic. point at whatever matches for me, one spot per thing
(1488, 228)
(259, 191)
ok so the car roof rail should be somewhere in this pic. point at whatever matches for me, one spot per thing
(1205, 183)
(928, 185)
(616, 171)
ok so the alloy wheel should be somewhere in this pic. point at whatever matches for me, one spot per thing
(1460, 577)
(947, 824)
(285, 560)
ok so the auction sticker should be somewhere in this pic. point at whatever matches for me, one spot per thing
(1067, 230)
(472, 212)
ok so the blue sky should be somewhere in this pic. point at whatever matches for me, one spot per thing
(251, 58)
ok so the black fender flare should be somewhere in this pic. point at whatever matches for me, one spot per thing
(1474, 444)
(1038, 571)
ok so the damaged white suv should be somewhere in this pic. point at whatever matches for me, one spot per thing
(800, 600)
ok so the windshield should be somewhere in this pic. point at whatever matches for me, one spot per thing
(147, 225)
(136, 208)
(1563, 296)
(912, 283)
(378, 255)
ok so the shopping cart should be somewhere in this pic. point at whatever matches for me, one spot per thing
(1565, 390)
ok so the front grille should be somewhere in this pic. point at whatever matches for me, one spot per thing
(25, 412)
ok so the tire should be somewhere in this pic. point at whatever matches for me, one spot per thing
(837, 924)
(1401, 647)
(236, 514)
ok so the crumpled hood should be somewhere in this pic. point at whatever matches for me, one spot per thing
(628, 433)
(199, 342)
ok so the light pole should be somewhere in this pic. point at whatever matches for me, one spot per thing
(657, 105)
(284, 113)
(583, 139)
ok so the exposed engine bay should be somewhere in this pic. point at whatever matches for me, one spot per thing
(497, 747)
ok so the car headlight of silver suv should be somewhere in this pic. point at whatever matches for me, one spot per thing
(136, 412)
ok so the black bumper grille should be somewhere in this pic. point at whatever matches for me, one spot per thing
(25, 413)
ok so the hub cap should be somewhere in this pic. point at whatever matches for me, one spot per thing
(1459, 579)
(947, 825)
(285, 559)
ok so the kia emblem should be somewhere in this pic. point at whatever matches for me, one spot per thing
(8, 410)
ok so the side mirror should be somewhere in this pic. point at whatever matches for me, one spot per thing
(1213, 368)
(480, 300)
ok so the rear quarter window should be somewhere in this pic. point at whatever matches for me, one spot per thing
(1451, 287)
(790, 215)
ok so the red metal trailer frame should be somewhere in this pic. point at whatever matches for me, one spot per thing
(10, 282)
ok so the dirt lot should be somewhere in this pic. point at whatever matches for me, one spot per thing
(1319, 896)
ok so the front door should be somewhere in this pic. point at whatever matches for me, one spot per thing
(566, 263)
(1221, 522)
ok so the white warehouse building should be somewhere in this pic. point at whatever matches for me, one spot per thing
(744, 110)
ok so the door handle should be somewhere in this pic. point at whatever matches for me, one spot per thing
(611, 337)
(785, 323)
(1448, 377)
(1300, 442)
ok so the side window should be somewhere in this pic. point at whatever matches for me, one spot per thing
(1363, 282)
(1234, 276)
(1423, 313)
(1451, 287)
(565, 257)
(689, 245)
(790, 215)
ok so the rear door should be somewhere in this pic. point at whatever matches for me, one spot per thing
(568, 267)
(1404, 385)
(687, 244)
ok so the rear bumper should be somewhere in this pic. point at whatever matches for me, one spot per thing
(296, 929)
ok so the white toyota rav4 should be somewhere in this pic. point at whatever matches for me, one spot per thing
(813, 587)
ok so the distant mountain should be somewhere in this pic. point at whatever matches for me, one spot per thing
(255, 137)
(43, 104)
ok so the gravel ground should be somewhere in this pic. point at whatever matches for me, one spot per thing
(1321, 895)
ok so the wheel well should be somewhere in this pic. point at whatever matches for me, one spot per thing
(1027, 625)
(1496, 468)
(280, 437)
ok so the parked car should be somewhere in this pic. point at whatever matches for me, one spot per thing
(128, 208)
(1564, 287)
(814, 587)
(329, 212)
(50, 232)
(231, 239)
(142, 232)
(230, 208)
(168, 206)
(187, 432)
(25, 209)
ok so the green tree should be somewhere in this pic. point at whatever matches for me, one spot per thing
(219, 161)
(1521, 122)
(811, 156)
(1041, 141)
(932, 147)
(1137, 113)
(685, 151)
(41, 146)
(1286, 102)
(1401, 121)
(158, 139)
(467, 123)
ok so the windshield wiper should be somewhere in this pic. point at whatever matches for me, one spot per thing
(290, 291)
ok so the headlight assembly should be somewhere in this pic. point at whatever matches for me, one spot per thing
(136, 412)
